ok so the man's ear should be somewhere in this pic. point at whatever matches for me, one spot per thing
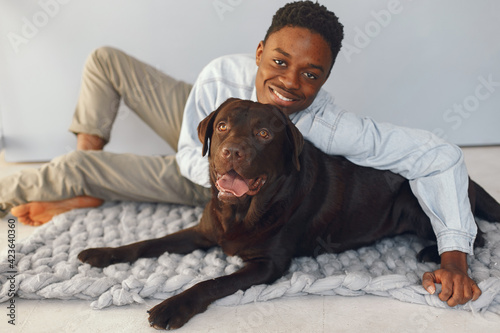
(258, 53)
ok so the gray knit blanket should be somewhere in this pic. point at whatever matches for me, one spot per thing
(47, 266)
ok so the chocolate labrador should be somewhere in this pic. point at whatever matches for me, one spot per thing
(275, 197)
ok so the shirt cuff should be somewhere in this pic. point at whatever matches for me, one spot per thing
(454, 240)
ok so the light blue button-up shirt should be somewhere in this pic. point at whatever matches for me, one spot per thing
(436, 170)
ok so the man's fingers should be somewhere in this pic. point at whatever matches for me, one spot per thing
(463, 294)
(447, 292)
(454, 296)
(476, 292)
(455, 288)
(429, 282)
(472, 292)
(468, 292)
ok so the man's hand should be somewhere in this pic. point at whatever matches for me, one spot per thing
(457, 286)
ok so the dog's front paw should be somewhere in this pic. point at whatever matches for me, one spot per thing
(100, 257)
(175, 311)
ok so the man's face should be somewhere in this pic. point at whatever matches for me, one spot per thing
(293, 65)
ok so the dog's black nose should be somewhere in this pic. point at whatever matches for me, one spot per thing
(233, 152)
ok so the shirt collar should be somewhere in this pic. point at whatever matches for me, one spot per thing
(254, 93)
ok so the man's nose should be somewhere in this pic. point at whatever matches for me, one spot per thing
(290, 80)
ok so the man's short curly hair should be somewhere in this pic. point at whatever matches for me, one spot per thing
(313, 16)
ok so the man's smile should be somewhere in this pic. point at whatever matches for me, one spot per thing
(282, 98)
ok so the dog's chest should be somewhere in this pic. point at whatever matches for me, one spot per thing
(238, 239)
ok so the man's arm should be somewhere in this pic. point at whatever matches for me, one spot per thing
(437, 175)
(189, 157)
(455, 231)
(202, 100)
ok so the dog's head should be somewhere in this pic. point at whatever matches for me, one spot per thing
(249, 144)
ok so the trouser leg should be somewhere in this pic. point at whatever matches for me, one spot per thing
(103, 175)
(109, 76)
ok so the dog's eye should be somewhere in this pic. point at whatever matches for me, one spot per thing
(263, 134)
(222, 127)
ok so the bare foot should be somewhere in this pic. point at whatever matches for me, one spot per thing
(39, 212)
(89, 142)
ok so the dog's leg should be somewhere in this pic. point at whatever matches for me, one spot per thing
(182, 242)
(177, 310)
(429, 254)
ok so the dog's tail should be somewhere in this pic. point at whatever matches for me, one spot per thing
(487, 208)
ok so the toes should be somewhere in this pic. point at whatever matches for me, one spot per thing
(20, 210)
(31, 213)
(25, 219)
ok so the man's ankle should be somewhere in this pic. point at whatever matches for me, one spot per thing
(86, 141)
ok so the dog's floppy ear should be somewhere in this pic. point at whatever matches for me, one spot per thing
(297, 141)
(206, 126)
(293, 135)
(206, 129)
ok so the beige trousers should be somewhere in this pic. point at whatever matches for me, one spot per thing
(109, 76)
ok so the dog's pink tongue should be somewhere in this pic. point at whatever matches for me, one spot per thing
(233, 183)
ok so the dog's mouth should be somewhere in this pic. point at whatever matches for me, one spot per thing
(232, 184)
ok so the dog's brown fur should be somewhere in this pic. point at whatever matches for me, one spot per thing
(300, 202)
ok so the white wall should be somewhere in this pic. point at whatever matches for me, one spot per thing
(429, 64)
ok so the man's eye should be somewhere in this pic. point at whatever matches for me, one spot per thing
(279, 62)
(310, 76)
(222, 127)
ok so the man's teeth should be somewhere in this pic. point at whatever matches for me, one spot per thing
(280, 96)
